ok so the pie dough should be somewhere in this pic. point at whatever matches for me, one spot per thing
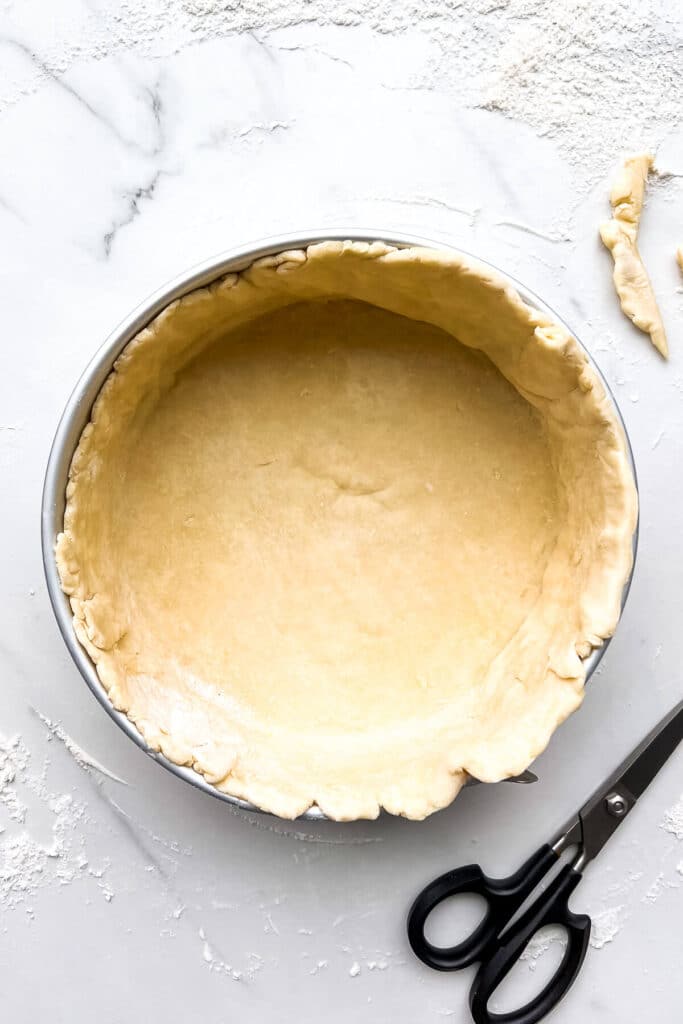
(326, 553)
(620, 235)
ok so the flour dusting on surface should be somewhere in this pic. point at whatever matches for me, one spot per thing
(673, 819)
(291, 830)
(214, 962)
(319, 966)
(556, 71)
(661, 884)
(80, 756)
(28, 863)
(606, 925)
(595, 77)
(541, 942)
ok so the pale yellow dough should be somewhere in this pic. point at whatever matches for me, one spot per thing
(326, 553)
(620, 235)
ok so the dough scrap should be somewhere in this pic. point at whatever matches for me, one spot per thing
(620, 235)
(343, 526)
(679, 256)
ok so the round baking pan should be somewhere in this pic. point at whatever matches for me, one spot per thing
(77, 414)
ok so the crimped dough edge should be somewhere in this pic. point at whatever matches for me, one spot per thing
(544, 363)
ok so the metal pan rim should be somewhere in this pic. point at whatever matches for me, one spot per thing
(77, 412)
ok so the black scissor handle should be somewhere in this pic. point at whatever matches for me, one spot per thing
(503, 896)
(550, 908)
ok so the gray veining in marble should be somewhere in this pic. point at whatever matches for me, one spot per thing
(121, 167)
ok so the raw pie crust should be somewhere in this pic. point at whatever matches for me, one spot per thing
(326, 553)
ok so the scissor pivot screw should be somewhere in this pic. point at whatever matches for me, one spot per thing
(616, 805)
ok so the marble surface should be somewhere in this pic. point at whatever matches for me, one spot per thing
(127, 157)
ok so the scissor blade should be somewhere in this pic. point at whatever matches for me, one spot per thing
(653, 752)
(610, 804)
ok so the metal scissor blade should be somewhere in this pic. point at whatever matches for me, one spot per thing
(653, 752)
(610, 804)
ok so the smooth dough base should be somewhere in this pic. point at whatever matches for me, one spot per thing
(329, 555)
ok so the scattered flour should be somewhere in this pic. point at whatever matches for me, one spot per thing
(655, 889)
(286, 831)
(214, 962)
(595, 77)
(562, 66)
(660, 885)
(80, 756)
(606, 925)
(673, 820)
(27, 864)
(354, 969)
(217, 963)
(541, 942)
(269, 927)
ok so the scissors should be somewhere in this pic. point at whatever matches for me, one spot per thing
(502, 936)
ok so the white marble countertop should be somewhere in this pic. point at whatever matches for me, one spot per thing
(137, 139)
